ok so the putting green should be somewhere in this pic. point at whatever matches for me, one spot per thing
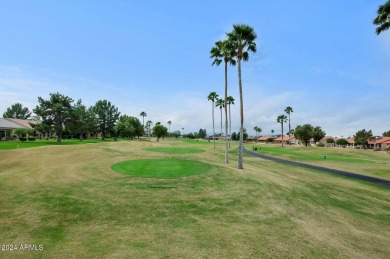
(174, 150)
(161, 168)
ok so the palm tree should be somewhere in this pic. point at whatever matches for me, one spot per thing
(242, 39)
(257, 129)
(383, 18)
(230, 100)
(169, 127)
(220, 104)
(143, 114)
(213, 96)
(148, 127)
(289, 110)
(281, 119)
(224, 50)
(272, 131)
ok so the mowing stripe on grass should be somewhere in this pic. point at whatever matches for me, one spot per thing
(174, 150)
(324, 169)
(161, 168)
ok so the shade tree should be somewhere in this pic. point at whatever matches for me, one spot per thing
(159, 131)
(17, 111)
(107, 115)
(362, 136)
(54, 112)
(82, 120)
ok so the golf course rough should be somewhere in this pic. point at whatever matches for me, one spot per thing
(161, 168)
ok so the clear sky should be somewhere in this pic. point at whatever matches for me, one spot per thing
(322, 58)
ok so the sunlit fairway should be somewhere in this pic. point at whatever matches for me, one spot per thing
(70, 200)
(175, 150)
(6, 145)
(161, 168)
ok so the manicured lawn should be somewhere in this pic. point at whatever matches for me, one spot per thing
(161, 168)
(175, 150)
(311, 153)
(6, 145)
(68, 199)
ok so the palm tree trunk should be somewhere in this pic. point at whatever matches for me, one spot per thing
(212, 108)
(241, 141)
(289, 130)
(230, 126)
(282, 133)
(226, 118)
(221, 121)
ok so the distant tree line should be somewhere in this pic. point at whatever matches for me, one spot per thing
(61, 115)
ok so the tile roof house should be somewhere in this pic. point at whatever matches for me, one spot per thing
(264, 138)
(382, 143)
(293, 140)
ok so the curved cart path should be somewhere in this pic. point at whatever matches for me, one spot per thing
(324, 169)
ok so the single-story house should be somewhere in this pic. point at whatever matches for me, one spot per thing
(264, 139)
(6, 128)
(8, 125)
(293, 140)
(325, 139)
(382, 143)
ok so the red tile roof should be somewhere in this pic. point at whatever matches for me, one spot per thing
(383, 140)
(264, 138)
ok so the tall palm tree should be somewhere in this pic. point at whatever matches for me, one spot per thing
(289, 110)
(383, 18)
(272, 131)
(243, 40)
(230, 100)
(169, 127)
(224, 50)
(148, 127)
(143, 114)
(213, 96)
(220, 104)
(257, 130)
(281, 119)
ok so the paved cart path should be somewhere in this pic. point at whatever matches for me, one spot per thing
(324, 169)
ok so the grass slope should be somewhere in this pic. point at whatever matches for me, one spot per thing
(68, 199)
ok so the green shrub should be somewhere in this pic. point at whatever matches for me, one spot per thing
(22, 139)
(31, 138)
(320, 144)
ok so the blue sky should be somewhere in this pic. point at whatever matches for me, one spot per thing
(321, 58)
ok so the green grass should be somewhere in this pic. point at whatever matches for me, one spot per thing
(68, 199)
(161, 168)
(6, 145)
(365, 162)
(311, 153)
(175, 150)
